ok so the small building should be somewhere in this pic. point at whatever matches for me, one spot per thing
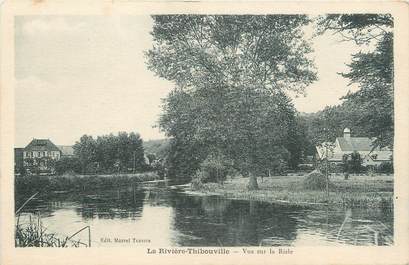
(40, 156)
(66, 150)
(371, 154)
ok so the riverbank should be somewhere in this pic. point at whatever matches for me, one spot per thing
(45, 185)
(357, 191)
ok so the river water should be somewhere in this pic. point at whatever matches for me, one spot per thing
(155, 214)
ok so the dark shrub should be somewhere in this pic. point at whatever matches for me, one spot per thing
(67, 165)
(352, 163)
(385, 167)
(214, 168)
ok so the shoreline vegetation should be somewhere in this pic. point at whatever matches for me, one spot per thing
(75, 183)
(357, 191)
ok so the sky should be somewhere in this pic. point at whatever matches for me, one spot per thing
(79, 75)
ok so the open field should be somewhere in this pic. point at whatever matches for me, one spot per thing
(362, 191)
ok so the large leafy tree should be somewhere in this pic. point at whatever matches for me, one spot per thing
(231, 74)
(371, 107)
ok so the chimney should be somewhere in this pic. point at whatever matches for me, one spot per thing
(347, 133)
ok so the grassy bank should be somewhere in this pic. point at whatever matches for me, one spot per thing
(362, 191)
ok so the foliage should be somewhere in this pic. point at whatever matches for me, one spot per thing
(385, 167)
(39, 165)
(352, 163)
(371, 107)
(196, 183)
(34, 234)
(110, 153)
(68, 164)
(47, 184)
(215, 168)
(159, 148)
(231, 75)
(267, 51)
(151, 158)
(360, 28)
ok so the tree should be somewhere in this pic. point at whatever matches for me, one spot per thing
(231, 74)
(67, 164)
(85, 150)
(215, 167)
(372, 70)
(352, 163)
(110, 153)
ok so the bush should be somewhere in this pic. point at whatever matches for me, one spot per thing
(197, 183)
(214, 168)
(352, 163)
(385, 167)
(67, 165)
(315, 181)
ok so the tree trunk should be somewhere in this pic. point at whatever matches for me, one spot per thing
(252, 182)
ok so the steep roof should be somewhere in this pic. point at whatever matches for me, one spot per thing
(41, 145)
(355, 144)
(67, 150)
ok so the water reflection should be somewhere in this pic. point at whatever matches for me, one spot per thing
(160, 216)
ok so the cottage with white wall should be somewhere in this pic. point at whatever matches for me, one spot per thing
(370, 154)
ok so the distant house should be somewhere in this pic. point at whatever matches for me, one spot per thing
(370, 154)
(40, 155)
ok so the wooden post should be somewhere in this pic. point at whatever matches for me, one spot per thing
(134, 162)
(376, 238)
(89, 236)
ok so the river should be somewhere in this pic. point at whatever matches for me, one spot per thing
(156, 214)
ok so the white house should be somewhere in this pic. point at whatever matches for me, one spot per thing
(370, 154)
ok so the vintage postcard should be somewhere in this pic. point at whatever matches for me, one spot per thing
(204, 132)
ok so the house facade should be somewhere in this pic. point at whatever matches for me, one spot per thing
(40, 156)
(371, 155)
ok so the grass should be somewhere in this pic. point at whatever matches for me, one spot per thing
(34, 234)
(362, 191)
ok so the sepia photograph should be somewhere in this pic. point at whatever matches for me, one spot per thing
(203, 130)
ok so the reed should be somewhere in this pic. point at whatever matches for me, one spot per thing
(34, 234)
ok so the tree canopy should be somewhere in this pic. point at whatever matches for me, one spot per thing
(231, 75)
(110, 153)
(370, 109)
